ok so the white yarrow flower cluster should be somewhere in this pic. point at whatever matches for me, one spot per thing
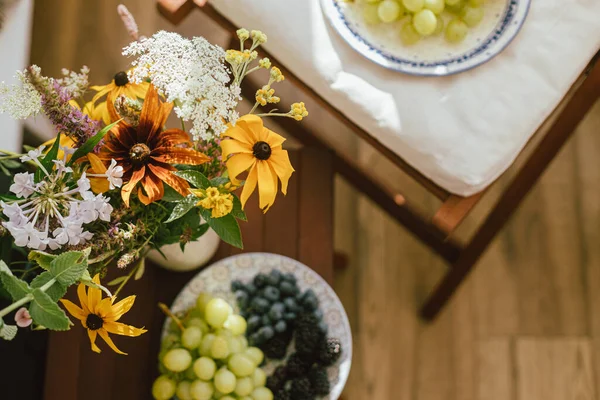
(53, 212)
(75, 83)
(192, 74)
(20, 100)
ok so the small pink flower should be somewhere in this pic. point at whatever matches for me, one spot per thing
(22, 318)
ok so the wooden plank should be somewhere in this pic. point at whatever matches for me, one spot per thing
(175, 10)
(495, 373)
(555, 369)
(315, 212)
(454, 210)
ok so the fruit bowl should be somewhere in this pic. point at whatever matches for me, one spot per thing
(216, 280)
(433, 55)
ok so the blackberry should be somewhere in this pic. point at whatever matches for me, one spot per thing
(282, 394)
(301, 390)
(297, 365)
(330, 351)
(319, 380)
(276, 347)
(278, 379)
(308, 334)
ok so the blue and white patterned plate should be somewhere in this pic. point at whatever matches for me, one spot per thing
(216, 279)
(432, 56)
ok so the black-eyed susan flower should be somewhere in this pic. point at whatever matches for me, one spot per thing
(120, 85)
(100, 316)
(249, 146)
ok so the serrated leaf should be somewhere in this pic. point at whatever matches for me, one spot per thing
(226, 227)
(51, 155)
(140, 269)
(41, 258)
(237, 209)
(8, 332)
(68, 267)
(195, 178)
(44, 311)
(56, 291)
(13, 285)
(91, 143)
(182, 208)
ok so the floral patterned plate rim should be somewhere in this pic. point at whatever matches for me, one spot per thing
(216, 279)
(432, 56)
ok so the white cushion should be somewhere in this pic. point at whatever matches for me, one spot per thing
(461, 131)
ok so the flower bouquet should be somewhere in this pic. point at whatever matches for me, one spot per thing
(119, 181)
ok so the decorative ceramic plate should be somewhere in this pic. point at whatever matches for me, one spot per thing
(432, 56)
(216, 279)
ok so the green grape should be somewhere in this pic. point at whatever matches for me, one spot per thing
(206, 344)
(219, 348)
(389, 11)
(205, 368)
(453, 2)
(408, 33)
(200, 323)
(371, 14)
(194, 313)
(373, 1)
(262, 393)
(413, 5)
(236, 324)
(191, 337)
(259, 378)
(455, 8)
(425, 22)
(217, 311)
(227, 398)
(439, 28)
(163, 388)
(456, 31)
(190, 374)
(170, 341)
(475, 3)
(201, 390)
(235, 344)
(437, 6)
(255, 354)
(203, 300)
(244, 342)
(472, 16)
(177, 360)
(241, 365)
(184, 390)
(244, 386)
(225, 381)
(246, 398)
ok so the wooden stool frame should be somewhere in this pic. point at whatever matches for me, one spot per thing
(435, 231)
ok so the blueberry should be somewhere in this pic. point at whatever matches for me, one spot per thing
(290, 316)
(242, 298)
(237, 285)
(291, 305)
(288, 289)
(259, 305)
(289, 277)
(274, 277)
(280, 307)
(260, 281)
(271, 293)
(250, 288)
(254, 322)
(256, 339)
(323, 327)
(319, 314)
(265, 320)
(266, 332)
(280, 327)
(308, 293)
(311, 304)
(275, 314)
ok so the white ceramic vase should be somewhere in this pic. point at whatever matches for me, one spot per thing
(196, 253)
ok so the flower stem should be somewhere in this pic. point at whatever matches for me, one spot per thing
(131, 273)
(16, 305)
(163, 307)
(254, 108)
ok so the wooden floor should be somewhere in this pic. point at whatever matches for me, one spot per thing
(525, 326)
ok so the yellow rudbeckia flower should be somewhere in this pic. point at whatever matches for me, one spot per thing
(100, 316)
(249, 146)
(120, 85)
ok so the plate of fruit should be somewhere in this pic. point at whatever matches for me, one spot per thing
(427, 37)
(255, 326)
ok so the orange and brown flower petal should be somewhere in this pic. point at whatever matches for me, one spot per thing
(153, 116)
(153, 188)
(172, 137)
(128, 188)
(165, 175)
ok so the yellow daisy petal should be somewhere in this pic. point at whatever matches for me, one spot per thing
(104, 335)
(267, 190)
(117, 310)
(74, 310)
(102, 90)
(119, 328)
(238, 164)
(94, 295)
(237, 133)
(251, 124)
(280, 162)
(273, 139)
(92, 335)
(230, 146)
(249, 186)
(83, 299)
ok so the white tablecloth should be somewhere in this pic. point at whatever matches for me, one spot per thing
(461, 131)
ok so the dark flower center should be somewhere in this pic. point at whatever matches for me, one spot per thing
(121, 78)
(139, 152)
(93, 322)
(262, 150)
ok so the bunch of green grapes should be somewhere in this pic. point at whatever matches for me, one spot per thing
(210, 358)
(422, 18)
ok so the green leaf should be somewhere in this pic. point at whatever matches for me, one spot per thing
(219, 180)
(56, 291)
(141, 268)
(51, 155)
(8, 332)
(91, 143)
(195, 178)
(13, 285)
(86, 279)
(226, 227)
(237, 209)
(182, 208)
(116, 281)
(69, 267)
(171, 195)
(12, 164)
(44, 311)
(41, 258)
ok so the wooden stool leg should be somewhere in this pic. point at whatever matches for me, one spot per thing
(583, 99)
